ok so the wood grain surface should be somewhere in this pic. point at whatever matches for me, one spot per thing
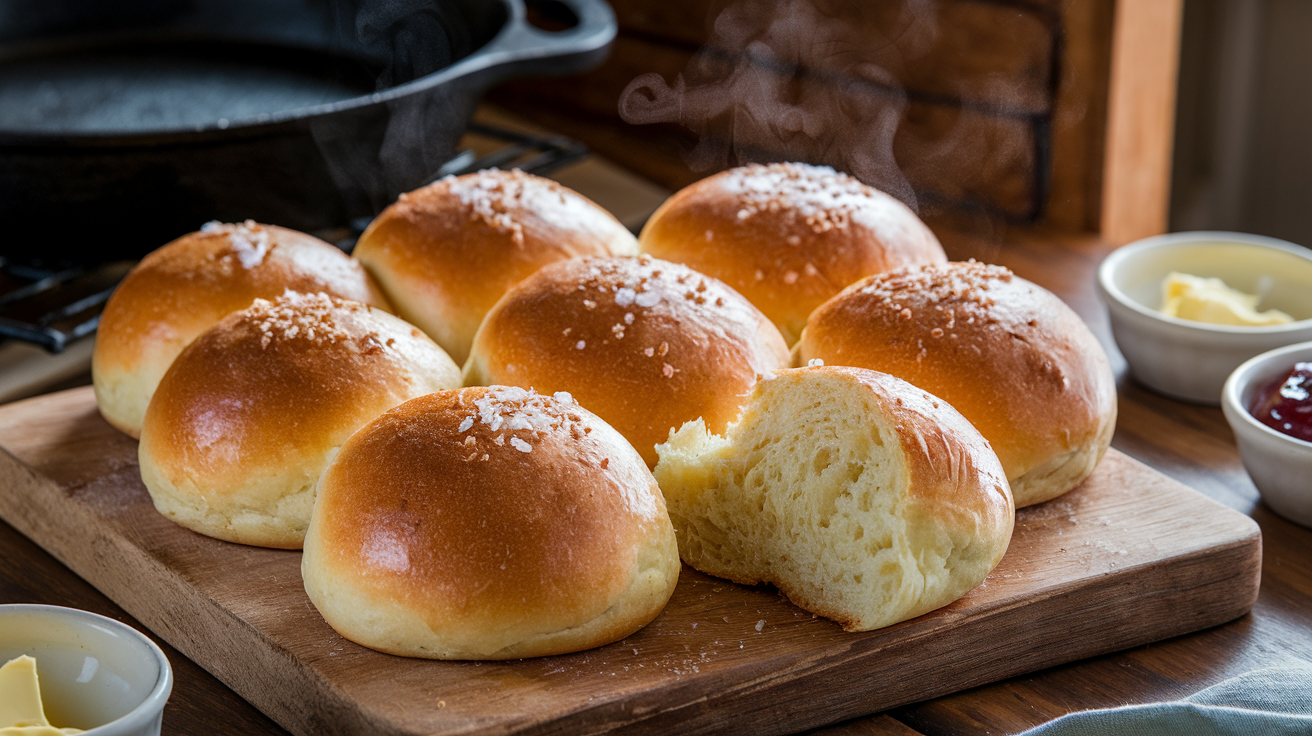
(975, 91)
(1128, 558)
(1141, 119)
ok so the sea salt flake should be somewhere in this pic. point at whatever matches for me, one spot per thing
(815, 363)
(648, 299)
(520, 445)
(466, 424)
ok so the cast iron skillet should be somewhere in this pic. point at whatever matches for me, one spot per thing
(126, 123)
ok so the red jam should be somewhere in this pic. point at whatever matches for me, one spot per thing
(1287, 406)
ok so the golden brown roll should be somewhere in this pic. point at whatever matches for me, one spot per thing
(1009, 355)
(444, 254)
(185, 287)
(863, 498)
(645, 344)
(787, 236)
(488, 523)
(250, 413)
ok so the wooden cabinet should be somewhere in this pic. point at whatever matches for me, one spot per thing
(995, 112)
(990, 109)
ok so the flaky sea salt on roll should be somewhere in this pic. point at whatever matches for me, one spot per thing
(184, 288)
(250, 413)
(1008, 354)
(787, 236)
(445, 253)
(645, 344)
(488, 523)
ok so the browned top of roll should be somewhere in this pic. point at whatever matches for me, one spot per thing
(788, 236)
(445, 253)
(185, 287)
(1009, 355)
(279, 384)
(645, 344)
(486, 507)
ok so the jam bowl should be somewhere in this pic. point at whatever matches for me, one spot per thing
(1278, 461)
(1190, 360)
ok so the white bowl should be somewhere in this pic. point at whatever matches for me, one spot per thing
(95, 673)
(1280, 465)
(1191, 360)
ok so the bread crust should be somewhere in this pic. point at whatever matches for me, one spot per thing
(185, 287)
(1008, 354)
(446, 253)
(861, 497)
(645, 344)
(787, 236)
(249, 414)
(488, 523)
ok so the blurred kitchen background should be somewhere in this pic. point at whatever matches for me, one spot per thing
(988, 116)
(1003, 103)
(1243, 153)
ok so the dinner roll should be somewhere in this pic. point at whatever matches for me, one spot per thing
(250, 413)
(185, 287)
(1009, 355)
(646, 344)
(488, 523)
(445, 253)
(787, 236)
(861, 497)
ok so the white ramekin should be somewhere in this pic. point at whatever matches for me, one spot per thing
(1191, 360)
(1280, 465)
(95, 673)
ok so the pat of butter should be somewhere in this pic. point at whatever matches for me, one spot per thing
(1211, 301)
(21, 713)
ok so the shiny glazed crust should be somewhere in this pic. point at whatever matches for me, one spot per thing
(250, 413)
(862, 497)
(645, 344)
(1009, 355)
(488, 523)
(787, 236)
(185, 287)
(445, 253)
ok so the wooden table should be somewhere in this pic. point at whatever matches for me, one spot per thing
(1190, 443)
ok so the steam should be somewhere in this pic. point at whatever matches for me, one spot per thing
(374, 156)
(792, 80)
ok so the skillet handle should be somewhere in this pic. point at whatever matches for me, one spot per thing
(522, 49)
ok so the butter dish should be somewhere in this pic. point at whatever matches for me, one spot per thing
(1190, 360)
(95, 673)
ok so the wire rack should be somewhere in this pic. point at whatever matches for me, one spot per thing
(52, 305)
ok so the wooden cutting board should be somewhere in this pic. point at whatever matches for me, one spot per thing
(1128, 558)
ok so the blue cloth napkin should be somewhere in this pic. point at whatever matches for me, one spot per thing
(1275, 701)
